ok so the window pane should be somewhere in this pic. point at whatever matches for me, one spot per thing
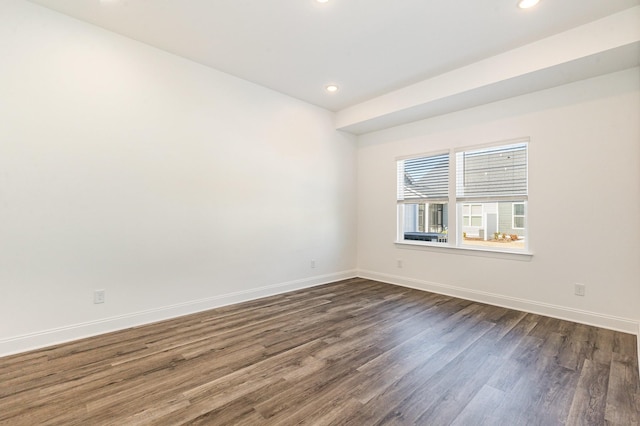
(518, 222)
(499, 171)
(429, 227)
(518, 209)
(476, 210)
(496, 228)
(423, 178)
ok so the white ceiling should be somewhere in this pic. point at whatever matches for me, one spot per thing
(367, 47)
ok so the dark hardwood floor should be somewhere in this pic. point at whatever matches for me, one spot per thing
(356, 352)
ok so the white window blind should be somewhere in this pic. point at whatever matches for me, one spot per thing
(423, 179)
(492, 174)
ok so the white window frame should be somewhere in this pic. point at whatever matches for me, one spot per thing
(409, 198)
(455, 241)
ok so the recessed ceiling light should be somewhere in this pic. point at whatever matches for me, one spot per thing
(331, 88)
(322, 1)
(526, 4)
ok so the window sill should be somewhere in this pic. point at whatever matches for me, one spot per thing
(467, 251)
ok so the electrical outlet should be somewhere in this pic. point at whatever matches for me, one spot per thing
(579, 289)
(98, 296)
(313, 264)
(399, 263)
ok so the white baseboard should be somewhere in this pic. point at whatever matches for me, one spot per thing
(624, 325)
(41, 339)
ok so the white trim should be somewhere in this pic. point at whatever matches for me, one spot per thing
(610, 322)
(45, 338)
(466, 250)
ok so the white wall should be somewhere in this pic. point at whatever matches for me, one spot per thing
(584, 203)
(172, 186)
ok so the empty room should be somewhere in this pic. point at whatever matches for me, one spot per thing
(324, 212)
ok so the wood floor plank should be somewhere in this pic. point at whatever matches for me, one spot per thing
(623, 396)
(355, 352)
(589, 402)
(481, 410)
(405, 398)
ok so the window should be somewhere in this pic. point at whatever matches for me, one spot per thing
(472, 215)
(490, 181)
(489, 193)
(518, 215)
(423, 193)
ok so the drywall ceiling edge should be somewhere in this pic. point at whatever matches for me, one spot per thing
(607, 45)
